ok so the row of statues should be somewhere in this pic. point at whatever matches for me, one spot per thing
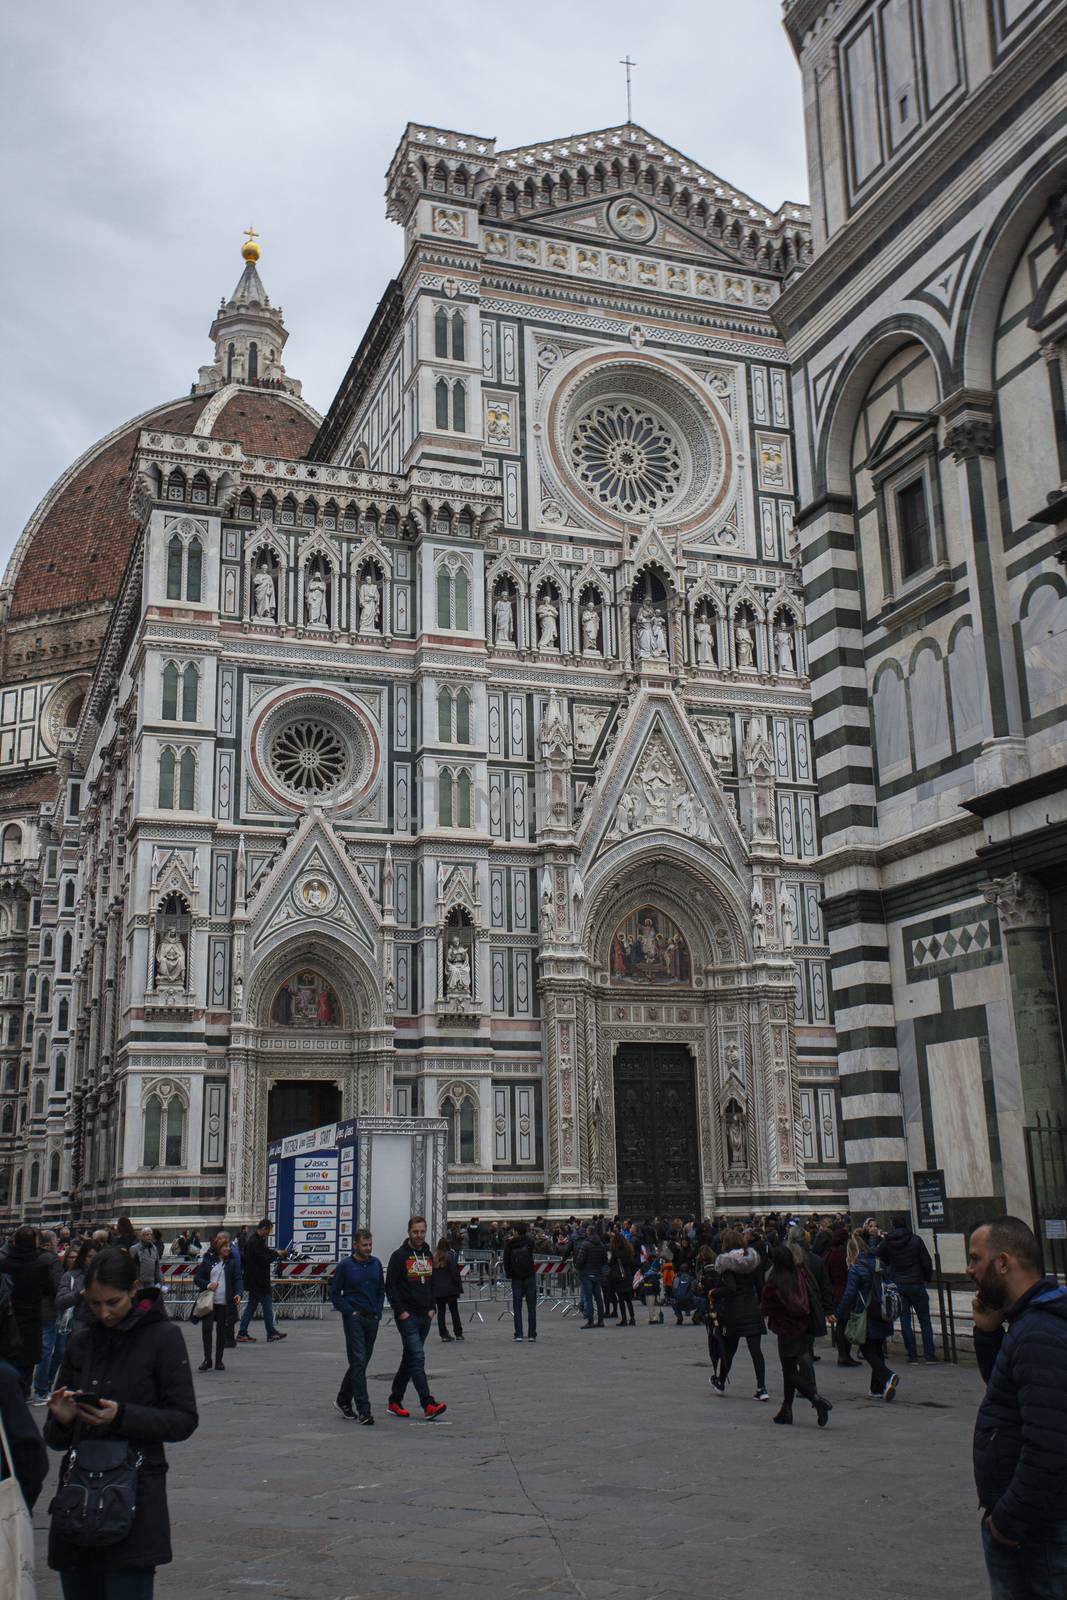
(650, 633)
(316, 598)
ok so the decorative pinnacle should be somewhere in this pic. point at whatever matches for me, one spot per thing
(250, 250)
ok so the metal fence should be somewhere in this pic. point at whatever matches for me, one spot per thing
(1046, 1154)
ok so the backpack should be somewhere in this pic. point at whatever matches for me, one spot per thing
(522, 1261)
(888, 1300)
(683, 1287)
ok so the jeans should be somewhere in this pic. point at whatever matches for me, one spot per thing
(798, 1373)
(414, 1329)
(873, 1352)
(524, 1292)
(590, 1295)
(42, 1376)
(730, 1343)
(136, 1585)
(915, 1298)
(255, 1300)
(1036, 1571)
(449, 1303)
(361, 1330)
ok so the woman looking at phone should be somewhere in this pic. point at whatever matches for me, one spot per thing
(125, 1376)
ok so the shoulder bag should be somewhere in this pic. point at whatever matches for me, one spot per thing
(96, 1501)
(856, 1326)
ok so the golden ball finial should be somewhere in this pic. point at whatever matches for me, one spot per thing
(250, 250)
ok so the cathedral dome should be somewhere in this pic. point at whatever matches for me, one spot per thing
(74, 548)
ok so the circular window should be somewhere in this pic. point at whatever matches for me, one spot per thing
(309, 758)
(627, 457)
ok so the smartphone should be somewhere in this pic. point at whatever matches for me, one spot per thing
(82, 1397)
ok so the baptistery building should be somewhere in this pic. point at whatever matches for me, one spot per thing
(449, 754)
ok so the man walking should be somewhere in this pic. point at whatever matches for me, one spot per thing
(590, 1259)
(407, 1284)
(519, 1266)
(1020, 1433)
(257, 1258)
(146, 1255)
(33, 1292)
(48, 1365)
(911, 1269)
(358, 1293)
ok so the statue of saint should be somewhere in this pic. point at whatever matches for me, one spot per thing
(735, 1139)
(705, 638)
(548, 617)
(590, 629)
(785, 912)
(651, 634)
(170, 961)
(315, 599)
(503, 618)
(266, 598)
(783, 643)
(745, 643)
(759, 929)
(369, 599)
(457, 969)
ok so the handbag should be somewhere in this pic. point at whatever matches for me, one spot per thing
(856, 1326)
(816, 1315)
(16, 1533)
(203, 1304)
(96, 1500)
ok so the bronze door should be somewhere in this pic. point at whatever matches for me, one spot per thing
(656, 1146)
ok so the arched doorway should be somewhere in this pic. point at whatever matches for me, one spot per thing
(294, 1107)
(657, 1150)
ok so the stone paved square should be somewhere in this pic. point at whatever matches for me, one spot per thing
(587, 1465)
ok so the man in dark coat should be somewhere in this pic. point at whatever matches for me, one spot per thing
(32, 1289)
(590, 1258)
(29, 1455)
(257, 1258)
(911, 1269)
(1020, 1433)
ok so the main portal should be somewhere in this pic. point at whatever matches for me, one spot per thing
(656, 1145)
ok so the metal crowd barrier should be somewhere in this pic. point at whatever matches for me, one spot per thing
(298, 1289)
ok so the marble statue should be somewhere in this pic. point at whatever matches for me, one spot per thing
(170, 961)
(590, 629)
(783, 643)
(705, 638)
(746, 645)
(759, 929)
(503, 618)
(457, 969)
(266, 598)
(721, 742)
(735, 1140)
(369, 600)
(548, 616)
(785, 912)
(651, 633)
(315, 600)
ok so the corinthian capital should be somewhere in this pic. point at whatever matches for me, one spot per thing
(1021, 902)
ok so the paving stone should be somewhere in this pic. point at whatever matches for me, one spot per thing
(590, 1468)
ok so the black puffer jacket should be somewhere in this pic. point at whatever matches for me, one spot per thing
(591, 1256)
(1020, 1433)
(143, 1365)
(737, 1303)
(906, 1256)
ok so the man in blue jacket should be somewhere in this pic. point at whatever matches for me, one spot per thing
(358, 1293)
(1020, 1434)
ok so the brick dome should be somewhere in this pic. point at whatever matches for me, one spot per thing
(75, 546)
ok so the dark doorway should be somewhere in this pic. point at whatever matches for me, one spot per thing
(295, 1107)
(656, 1145)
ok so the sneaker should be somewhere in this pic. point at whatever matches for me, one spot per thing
(446, 1338)
(518, 1338)
(891, 1387)
(434, 1409)
(718, 1384)
(40, 1400)
(366, 1419)
(532, 1339)
(396, 1409)
(205, 1366)
(761, 1394)
(272, 1338)
(344, 1410)
(246, 1338)
(458, 1336)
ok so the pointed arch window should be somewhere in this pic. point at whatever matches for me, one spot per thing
(194, 562)
(253, 362)
(68, 895)
(463, 716)
(153, 1130)
(63, 1017)
(174, 569)
(444, 799)
(66, 954)
(444, 716)
(38, 1098)
(458, 336)
(440, 333)
(18, 1189)
(441, 403)
(164, 1131)
(11, 848)
(187, 781)
(229, 363)
(35, 1179)
(7, 1124)
(39, 1053)
(463, 800)
(166, 781)
(190, 691)
(53, 1172)
(459, 408)
(61, 1073)
(170, 692)
(463, 594)
(459, 1113)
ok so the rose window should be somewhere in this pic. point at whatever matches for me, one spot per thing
(309, 758)
(627, 457)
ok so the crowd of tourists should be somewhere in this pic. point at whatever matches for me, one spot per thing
(84, 1332)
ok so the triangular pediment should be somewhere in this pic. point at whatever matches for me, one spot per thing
(660, 234)
(658, 778)
(313, 886)
(899, 428)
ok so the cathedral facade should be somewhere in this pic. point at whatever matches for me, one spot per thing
(450, 754)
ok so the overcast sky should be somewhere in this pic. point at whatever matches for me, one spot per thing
(141, 140)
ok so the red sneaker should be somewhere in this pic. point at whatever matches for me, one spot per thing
(434, 1409)
(397, 1409)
